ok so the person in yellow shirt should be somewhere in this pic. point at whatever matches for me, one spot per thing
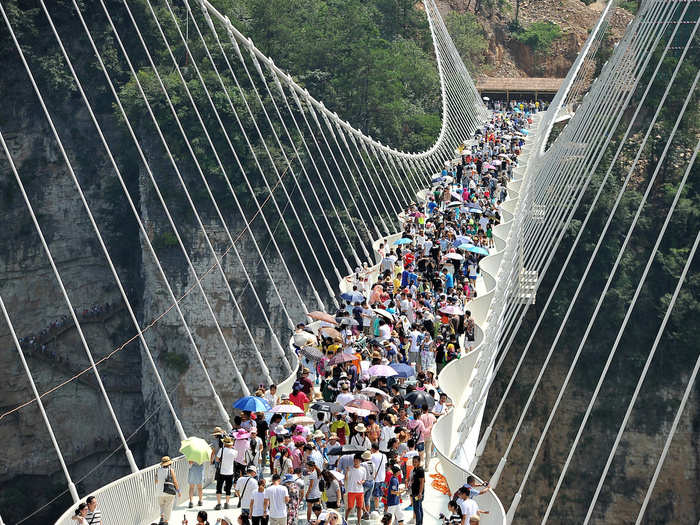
(397, 283)
(340, 428)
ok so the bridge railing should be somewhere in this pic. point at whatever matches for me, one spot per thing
(133, 499)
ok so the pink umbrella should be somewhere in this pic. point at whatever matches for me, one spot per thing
(381, 370)
(452, 310)
(362, 404)
(362, 412)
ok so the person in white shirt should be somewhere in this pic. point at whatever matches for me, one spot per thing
(355, 478)
(276, 499)
(345, 396)
(246, 487)
(225, 458)
(256, 510)
(360, 439)
(467, 505)
(379, 462)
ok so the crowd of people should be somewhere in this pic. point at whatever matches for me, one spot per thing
(41, 341)
(353, 439)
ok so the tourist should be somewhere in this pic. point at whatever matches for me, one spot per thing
(195, 479)
(167, 488)
(417, 483)
(245, 489)
(275, 503)
(256, 509)
(226, 458)
(355, 477)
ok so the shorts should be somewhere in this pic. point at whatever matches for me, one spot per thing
(420, 447)
(379, 487)
(356, 499)
(396, 511)
(313, 500)
(331, 504)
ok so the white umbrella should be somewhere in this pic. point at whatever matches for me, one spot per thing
(384, 313)
(485, 98)
(455, 256)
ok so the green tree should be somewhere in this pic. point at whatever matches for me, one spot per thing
(469, 38)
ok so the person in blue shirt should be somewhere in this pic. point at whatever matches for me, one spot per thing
(449, 279)
(393, 495)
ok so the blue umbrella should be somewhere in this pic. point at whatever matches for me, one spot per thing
(478, 250)
(461, 239)
(403, 240)
(353, 297)
(465, 246)
(475, 210)
(402, 369)
(252, 404)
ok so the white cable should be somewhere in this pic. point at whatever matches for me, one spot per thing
(39, 402)
(647, 364)
(57, 275)
(512, 509)
(276, 343)
(570, 255)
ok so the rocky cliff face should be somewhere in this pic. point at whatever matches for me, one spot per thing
(77, 412)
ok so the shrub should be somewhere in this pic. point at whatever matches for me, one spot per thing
(539, 35)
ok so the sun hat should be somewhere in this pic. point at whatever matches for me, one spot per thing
(218, 431)
(165, 461)
(360, 428)
(318, 434)
(366, 455)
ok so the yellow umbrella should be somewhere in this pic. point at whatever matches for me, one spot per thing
(196, 449)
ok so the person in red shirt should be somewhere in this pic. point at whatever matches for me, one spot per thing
(299, 398)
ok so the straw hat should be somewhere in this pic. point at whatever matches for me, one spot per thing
(333, 435)
(360, 428)
(218, 431)
(227, 441)
(366, 455)
(165, 461)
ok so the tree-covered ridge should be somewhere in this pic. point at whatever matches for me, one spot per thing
(370, 61)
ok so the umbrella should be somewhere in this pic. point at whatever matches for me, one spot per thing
(370, 390)
(485, 98)
(286, 409)
(362, 404)
(452, 310)
(382, 370)
(490, 167)
(353, 297)
(461, 239)
(345, 449)
(464, 246)
(403, 240)
(496, 162)
(328, 331)
(195, 449)
(457, 195)
(349, 321)
(362, 412)
(299, 420)
(476, 210)
(402, 369)
(312, 353)
(342, 357)
(252, 404)
(455, 256)
(322, 316)
(452, 204)
(327, 406)
(384, 313)
(478, 250)
(418, 399)
(304, 338)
